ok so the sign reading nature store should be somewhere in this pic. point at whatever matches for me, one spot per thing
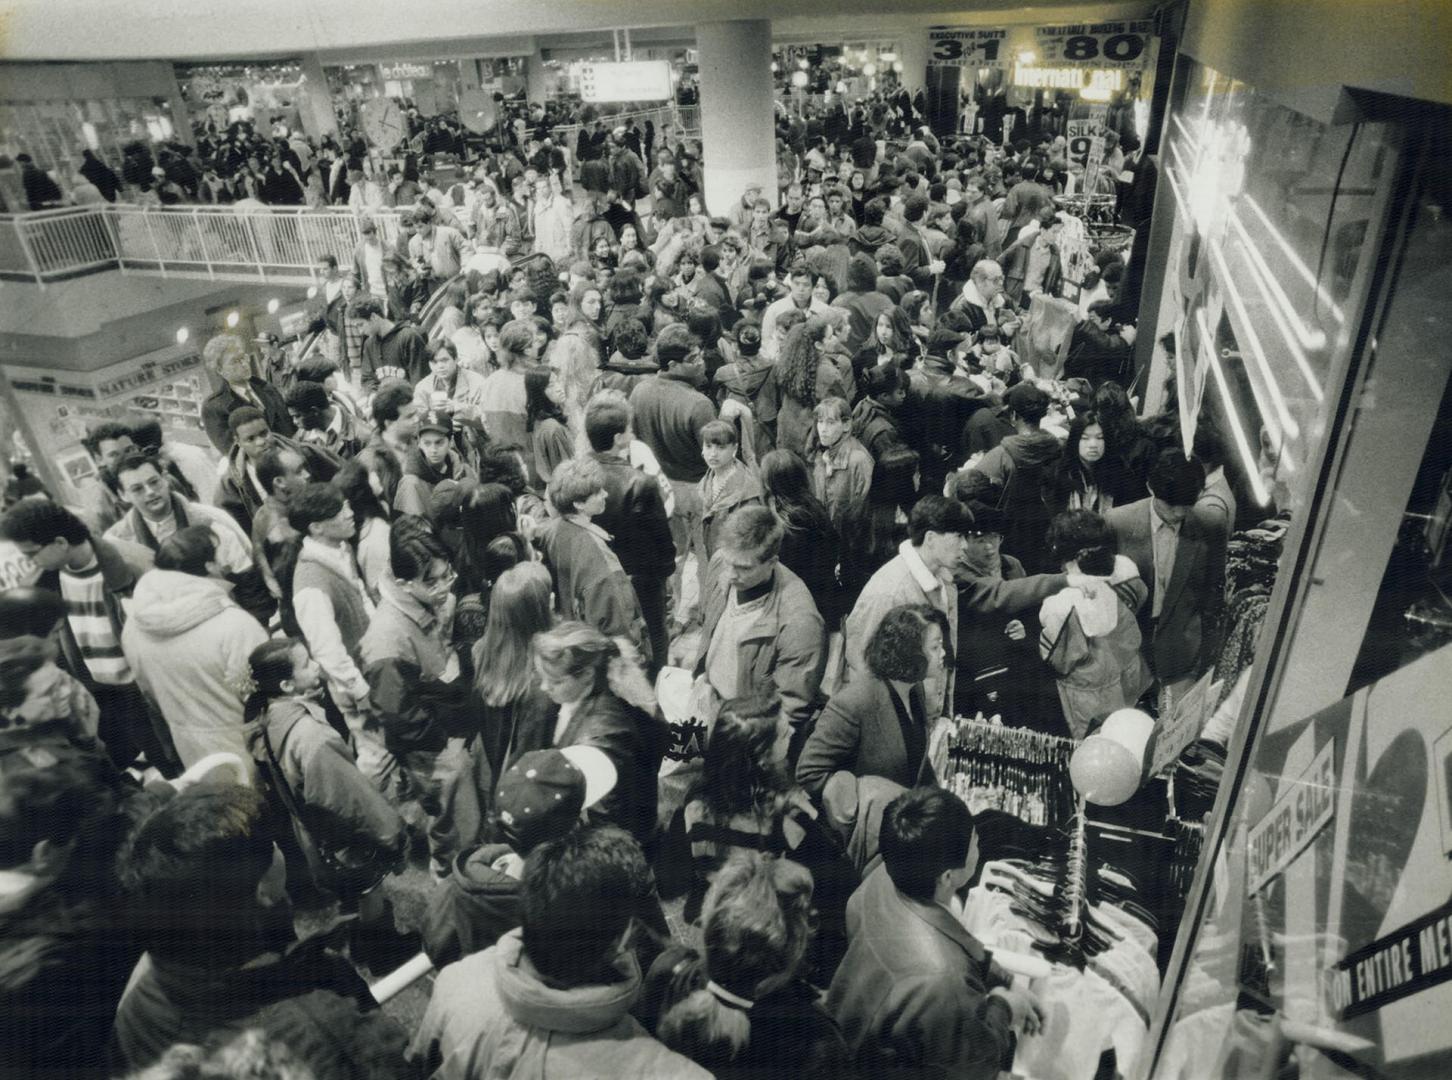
(1096, 45)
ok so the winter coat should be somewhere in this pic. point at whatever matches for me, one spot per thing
(669, 415)
(405, 656)
(841, 478)
(187, 642)
(719, 502)
(1093, 645)
(859, 731)
(635, 517)
(590, 583)
(623, 374)
(492, 1014)
(784, 648)
(912, 992)
(342, 811)
(792, 1037)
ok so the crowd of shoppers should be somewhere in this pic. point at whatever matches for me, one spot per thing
(784, 468)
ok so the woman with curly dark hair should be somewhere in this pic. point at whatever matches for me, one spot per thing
(806, 372)
(879, 725)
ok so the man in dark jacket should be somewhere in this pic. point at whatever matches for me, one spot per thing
(862, 302)
(917, 994)
(1016, 468)
(669, 414)
(1099, 352)
(391, 350)
(215, 919)
(227, 359)
(634, 516)
(41, 191)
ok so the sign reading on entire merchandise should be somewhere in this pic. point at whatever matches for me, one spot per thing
(1293, 822)
(628, 80)
(976, 47)
(1097, 45)
(1404, 962)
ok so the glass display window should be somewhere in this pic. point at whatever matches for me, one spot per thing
(1318, 940)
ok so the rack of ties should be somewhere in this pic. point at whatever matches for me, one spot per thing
(1022, 772)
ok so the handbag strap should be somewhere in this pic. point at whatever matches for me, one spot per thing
(279, 778)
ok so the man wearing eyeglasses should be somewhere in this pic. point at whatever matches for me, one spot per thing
(156, 512)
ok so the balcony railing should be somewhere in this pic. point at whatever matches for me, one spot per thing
(280, 244)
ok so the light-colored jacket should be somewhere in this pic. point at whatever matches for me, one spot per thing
(784, 648)
(1093, 645)
(468, 395)
(187, 641)
(901, 580)
(492, 1015)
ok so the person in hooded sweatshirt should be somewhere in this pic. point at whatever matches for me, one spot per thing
(551, 1000)
(1017, 468)
(862, 302)
(872, 234)
(187, 642)
(541, 797)
(428, 464)
(1092, 639)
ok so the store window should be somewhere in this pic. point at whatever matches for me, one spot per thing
(1321, 942)
(55, 132)
(1271, 222)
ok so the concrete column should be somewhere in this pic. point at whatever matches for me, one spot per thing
(738, 123)
(912, 51)
(468, 74)
(535, 86)
(316, 106)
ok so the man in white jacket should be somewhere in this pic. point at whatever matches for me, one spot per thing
(187, 642)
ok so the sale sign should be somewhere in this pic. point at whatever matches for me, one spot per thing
(1096, 45)
(974, 47)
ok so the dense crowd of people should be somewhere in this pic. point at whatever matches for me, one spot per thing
(639, 576)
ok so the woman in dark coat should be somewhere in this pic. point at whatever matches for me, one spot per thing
(810, 547)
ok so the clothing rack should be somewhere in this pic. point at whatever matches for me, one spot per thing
(1076, 869)
(1017, 770)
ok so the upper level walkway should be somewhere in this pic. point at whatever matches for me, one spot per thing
(222, 243)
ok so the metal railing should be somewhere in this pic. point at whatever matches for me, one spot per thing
(281, 244)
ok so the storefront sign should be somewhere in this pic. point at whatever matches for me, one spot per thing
(629, 80)
(1102, 80)
(1096, 45)
(975, 48)
(1417, 957)
(1293, 822)
(404, 71)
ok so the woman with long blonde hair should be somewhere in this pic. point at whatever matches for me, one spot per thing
(601, 698)
(511, 703)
